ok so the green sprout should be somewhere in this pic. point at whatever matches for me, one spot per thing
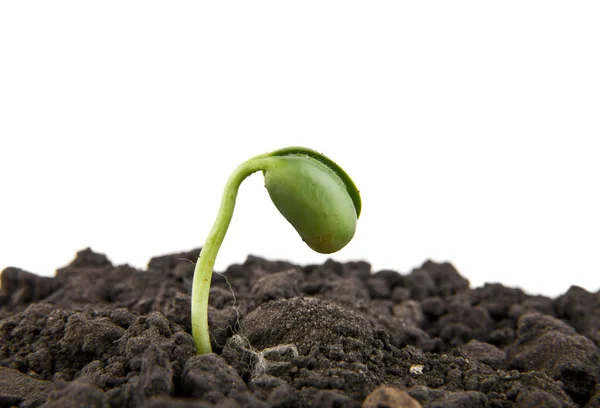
(312, 192)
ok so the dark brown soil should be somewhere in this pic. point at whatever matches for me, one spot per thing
(99, 335)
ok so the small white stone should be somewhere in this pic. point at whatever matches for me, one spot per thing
(416, 369)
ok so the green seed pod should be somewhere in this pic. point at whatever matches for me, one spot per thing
(315, 195)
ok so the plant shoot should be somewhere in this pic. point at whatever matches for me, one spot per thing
(311, 191)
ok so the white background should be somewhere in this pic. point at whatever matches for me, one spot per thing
(470, 128)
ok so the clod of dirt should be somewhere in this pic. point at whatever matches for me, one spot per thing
(284, 335)
(18, 389)
(576, 365)
(389, 397)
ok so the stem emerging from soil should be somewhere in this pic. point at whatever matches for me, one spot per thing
(312, 192)
(206, 260)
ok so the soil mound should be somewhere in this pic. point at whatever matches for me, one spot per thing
(284, 335)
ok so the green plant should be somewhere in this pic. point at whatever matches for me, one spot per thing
(312, 192)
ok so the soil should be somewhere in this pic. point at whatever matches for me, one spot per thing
(330, 335)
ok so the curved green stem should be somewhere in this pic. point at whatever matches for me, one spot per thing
(206, 260)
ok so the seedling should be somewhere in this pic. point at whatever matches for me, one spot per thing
(312, 192)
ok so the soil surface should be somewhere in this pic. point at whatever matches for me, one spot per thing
(330, 335)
